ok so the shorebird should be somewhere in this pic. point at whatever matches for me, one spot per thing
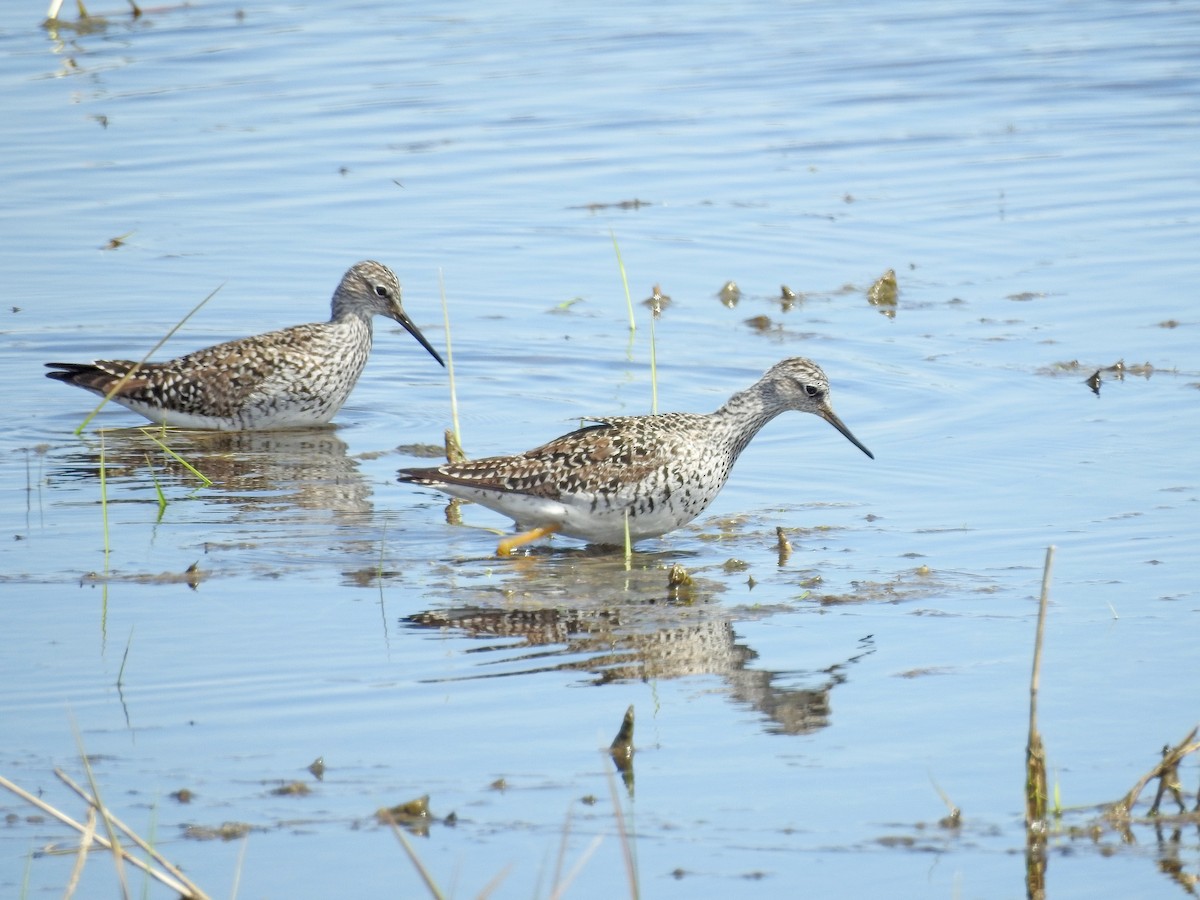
(651, 474)
(293, 378)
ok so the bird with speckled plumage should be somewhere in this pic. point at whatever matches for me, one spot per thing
(656, 472)
(297, 377)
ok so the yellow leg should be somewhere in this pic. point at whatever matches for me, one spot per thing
(509, 544)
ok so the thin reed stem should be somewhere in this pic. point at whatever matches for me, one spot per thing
(450, 363)
(204, 479)
(134, 369)
(104, 501)
(624, 281)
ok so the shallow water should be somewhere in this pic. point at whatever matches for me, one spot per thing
(1029, 173)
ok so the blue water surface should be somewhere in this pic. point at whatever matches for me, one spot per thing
(1027, 170)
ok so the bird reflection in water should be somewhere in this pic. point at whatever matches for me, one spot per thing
(636, 632)
(262, 471)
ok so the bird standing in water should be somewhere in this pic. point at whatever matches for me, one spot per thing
(651, 474)
(297, 377)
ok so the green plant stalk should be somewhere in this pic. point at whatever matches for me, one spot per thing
(379, 579)
(563, 882)
(162, 500)
(150, 839)
(171, 877)
(118, 853)
(653, 371)
(25, 876)
(237, 870)
(86, 840)
(628, 851)
(204, 479)
(104, 501)
(450, 363)
(382, 548)
(124, 659)
(624, 281)
(426, 877)
(124, 378)
(170, 874)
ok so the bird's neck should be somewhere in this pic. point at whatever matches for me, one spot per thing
(743, 416)
(351, 316)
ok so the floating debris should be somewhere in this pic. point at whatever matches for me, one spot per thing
(730, 294)
(1116, 372)
(622, 744)
(413, 815)
(782, 545)
(884, 292)
(679, 584)
(657, 301)
(761, 324)
(566, 306)
(621, 750)
(1119, 369)
(1168, 780)
(227, 831)
(420, 451)
(787, 298)
(621, 204)
(292, 789)
(191, 576)
(453, 448)
(183, 795)
(119, 241)
(317, 768)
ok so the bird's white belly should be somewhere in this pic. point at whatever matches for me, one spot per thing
(609, 528)
(259, 419)
(577, 518)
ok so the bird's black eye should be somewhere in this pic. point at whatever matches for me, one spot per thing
(381, 290)
(812, 390)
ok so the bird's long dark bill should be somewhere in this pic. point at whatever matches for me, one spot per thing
(412, 329)
(829, 416)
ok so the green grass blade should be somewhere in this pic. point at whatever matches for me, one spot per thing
(204, 479)
(624, 281)
(162, 500)
(450, 363)
(653, 371)
(166, 337)
(104, 500)
(124, 659)
(118, 853)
